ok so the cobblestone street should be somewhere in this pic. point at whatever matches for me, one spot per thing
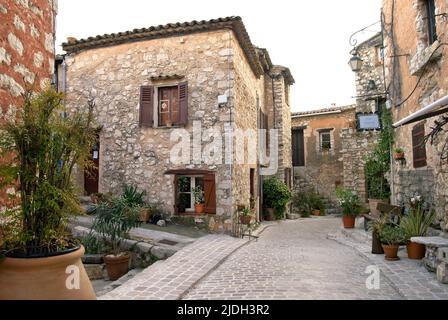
(293, 260)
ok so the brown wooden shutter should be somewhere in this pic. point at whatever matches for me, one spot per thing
(418, 146)
(298, 148)
(183, 103)
(210, 194)
(146, 106)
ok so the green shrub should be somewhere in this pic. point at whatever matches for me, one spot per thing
(132, 197)
(349, 201)
(306, 201)
(391, 234)
(276, 195)
(418, 221)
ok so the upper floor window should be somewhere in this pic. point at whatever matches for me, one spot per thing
(325, 140)
(164, 106)
(431, 20)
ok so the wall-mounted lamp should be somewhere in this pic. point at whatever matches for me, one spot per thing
(355, 62)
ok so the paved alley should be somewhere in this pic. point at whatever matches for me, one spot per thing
(293, 260)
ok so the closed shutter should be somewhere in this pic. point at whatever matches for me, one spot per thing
(210, 194)
(419, 146)
(146, 106)
(298, 148)
(183, 103)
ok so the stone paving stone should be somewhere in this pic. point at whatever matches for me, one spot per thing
(292, 260)
(171, 278)
(409, 277)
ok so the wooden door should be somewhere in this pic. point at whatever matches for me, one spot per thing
(298, 148)
(91, 177)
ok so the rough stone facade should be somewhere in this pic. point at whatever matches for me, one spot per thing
(27, 31)
(411, 58)
(324, 169)
(215, 63)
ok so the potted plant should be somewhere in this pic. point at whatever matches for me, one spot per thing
(398, 154)
(302, 203)
(276, 196)
(391, 237)
(318, 204)
(134, 198)
(376, 225)
(416, 224)
(199, 202)
(351, 206)
(113, 221)
(245, 217)
(39, 151)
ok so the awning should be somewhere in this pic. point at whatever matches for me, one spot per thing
(188, 172)
(432, 110)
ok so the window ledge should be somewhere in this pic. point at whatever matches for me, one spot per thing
(423, 57)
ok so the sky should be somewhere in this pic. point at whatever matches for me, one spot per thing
(309, 37)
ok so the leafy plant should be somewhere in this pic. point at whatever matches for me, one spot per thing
(276, 195)
(418, 221)
(132, 197)
(392, 234)
(93, 244)
(349, 201)
(306, 201)
(40, 148)
(198, 194)
(376, 225)
(114, 220)
(398, 150)
(245, 212)
(378, 161)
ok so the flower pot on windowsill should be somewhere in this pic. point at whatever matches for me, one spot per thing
(199, 208)
(399, 156)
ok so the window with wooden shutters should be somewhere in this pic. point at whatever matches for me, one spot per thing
(146, 106)
(431, 21)
(168, 106)
(183, 103)
(419, 146)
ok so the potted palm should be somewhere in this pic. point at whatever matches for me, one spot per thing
(132, 197)
(276, 196)
(416, 224)
(375, 226)
(113, 220)
(39, 150)
(199, 201)
(391, 237)
(351, 207)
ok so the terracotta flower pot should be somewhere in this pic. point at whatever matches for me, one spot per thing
(117, 266)
(316, 213)
(349, 222)
(270, 214)
(145, 214)
(391, 252)
(199, 208)
(45, 278)
(245, 219)
(416, 251)
(399, 156)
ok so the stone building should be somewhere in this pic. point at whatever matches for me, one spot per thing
(416, 76)
(329, 145)
(27, 32)
(194, 82)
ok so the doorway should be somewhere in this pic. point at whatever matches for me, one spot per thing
(91, 176)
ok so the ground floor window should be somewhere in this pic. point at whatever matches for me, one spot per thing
(186, 185)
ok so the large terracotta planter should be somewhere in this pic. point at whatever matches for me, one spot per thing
(199, 208)
(45, 278)
(416, 251)
(117, 266)
(349, 222)
(391, 252)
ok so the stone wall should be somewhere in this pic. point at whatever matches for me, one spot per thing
(428, 64)
(27, 32)
(323, 170)
(356, 145)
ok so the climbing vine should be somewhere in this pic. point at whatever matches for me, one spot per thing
(378, 161)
